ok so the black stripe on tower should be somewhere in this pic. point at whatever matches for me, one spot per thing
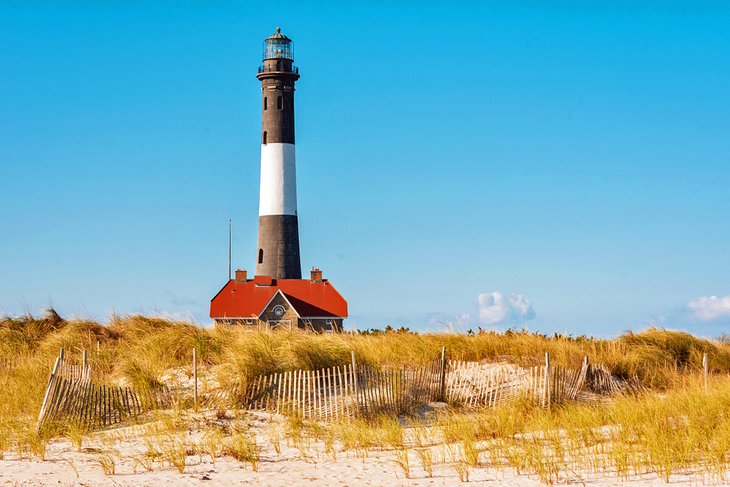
(279, 247)
(277, 91)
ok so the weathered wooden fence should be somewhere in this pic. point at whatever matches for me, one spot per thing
(75, 372)
(599, 380)
(72, 396)
(359, 390)
(474, 384)
(344, 391)
(339, 392)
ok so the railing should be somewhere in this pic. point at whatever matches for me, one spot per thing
(269, 69)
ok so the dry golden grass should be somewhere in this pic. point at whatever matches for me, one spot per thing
(684, 430)
(678, 430)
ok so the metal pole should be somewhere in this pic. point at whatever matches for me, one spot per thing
(229, 248)
(195, 378)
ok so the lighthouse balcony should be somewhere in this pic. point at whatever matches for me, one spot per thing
(267, 68)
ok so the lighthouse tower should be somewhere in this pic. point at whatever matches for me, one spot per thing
(278, 241)
(277, 297)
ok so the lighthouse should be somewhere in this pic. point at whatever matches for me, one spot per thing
(277, 297)
(278, 238)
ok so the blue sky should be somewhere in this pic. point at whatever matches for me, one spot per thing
(555, 165)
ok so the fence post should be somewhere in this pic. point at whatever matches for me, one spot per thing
(48, 391)
(547, 379)
(706, 367)
(195, 378)
(585, 361)
(61, 354)
(442, 392)
(354, 383)
(85, 366)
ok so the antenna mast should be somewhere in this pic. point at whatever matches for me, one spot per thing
(229, 249)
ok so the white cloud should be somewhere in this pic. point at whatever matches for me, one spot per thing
(710, 309)
(496, 308)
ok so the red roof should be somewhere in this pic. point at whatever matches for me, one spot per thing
(248, 299)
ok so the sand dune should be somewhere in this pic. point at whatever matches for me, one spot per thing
(66, 466)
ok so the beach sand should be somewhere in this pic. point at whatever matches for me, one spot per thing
(63, 465)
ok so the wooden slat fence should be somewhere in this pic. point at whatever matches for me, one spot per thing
(72, 396)
(474, 384)
(77, 372)
(599, 380)
(345, 392)
(563, 385)
(338, 392)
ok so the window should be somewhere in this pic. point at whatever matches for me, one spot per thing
(279, 311)
(263, 139)
(279, 102)
(261, 251)
(266, 103)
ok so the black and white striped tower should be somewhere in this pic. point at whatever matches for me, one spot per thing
(278, 254)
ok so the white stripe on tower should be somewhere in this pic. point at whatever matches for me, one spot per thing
(278, 191)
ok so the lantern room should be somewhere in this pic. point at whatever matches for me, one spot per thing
(278, 55)
(278, 46)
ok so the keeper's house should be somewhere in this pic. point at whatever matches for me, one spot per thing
(312, 304)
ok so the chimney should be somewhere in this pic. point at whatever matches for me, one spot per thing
(263, 280)
(240, 275)
(316, 275)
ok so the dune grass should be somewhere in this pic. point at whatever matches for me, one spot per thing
(675, 428)
(683, 430)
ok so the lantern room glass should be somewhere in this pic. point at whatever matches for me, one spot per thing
(278, 49)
